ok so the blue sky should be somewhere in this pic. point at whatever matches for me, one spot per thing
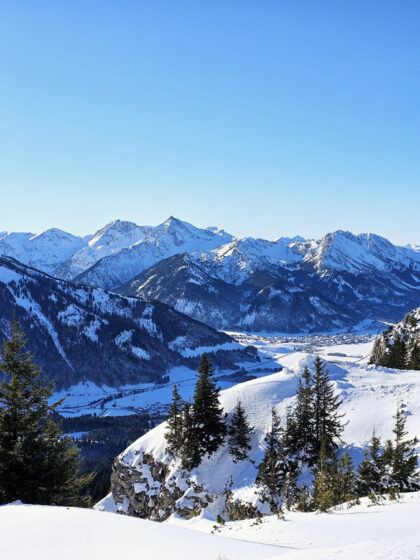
(266, 118)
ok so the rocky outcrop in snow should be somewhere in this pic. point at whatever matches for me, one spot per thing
(146, 482)
(399, 346)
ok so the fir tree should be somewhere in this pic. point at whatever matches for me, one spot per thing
(414, 356)
(303, 419)
(325, 474)
(209, 423)
(271, 472)
(37, 463)
(189, 451)
(371, 471)
(345, 483)
(239, 434)
(327, 425)
(174, 433)
(403, 473)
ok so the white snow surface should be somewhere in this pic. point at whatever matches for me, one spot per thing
(388, 531)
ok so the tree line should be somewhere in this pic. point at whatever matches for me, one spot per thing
(305, 447)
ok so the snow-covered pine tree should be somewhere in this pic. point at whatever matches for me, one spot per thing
(403, 473)
(271, 473)
(174, 431)
(327, 422)
(38, 465)
(371, 471)
(239, 434)
(208, 417)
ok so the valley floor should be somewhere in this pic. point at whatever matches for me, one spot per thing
(388, 531)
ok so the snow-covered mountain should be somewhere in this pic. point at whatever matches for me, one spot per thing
(45, 251)
(147, 482)
(290, 284)
(81, 334)
(167, 239)
(334, 283)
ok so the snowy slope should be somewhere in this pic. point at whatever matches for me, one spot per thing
(370, 398)
(387, 531)
(52, 533)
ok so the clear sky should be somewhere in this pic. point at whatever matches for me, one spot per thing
(266, 118)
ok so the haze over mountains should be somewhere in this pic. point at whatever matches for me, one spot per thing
(289, 285)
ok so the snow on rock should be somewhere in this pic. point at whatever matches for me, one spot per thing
(406, 332)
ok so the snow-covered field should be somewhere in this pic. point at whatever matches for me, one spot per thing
(389, 531)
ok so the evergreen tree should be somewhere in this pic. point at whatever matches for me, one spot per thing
(325, 474)
(327, 425)
(37, 463)
(271, 472)
(345, 484)
(174, 433)
(403, 473)
(303, 419)
(372, 470)
(414, 356)
(189, 451)
(209, 422)
(239, 434)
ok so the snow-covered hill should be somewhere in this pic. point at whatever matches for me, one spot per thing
(147, 483)
(387, 531)
(81, 334)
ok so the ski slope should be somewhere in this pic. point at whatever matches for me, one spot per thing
(383, 532)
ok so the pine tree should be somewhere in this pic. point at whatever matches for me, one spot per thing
(37, 463)
(345, 484)
(327, 425)
(174, 432)
(414, 356)
(303, 419)
(325, 474)
(271, 472)
(207, 413)
(189, 451)
(403, 473)
(239, 434)
(372, 470)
